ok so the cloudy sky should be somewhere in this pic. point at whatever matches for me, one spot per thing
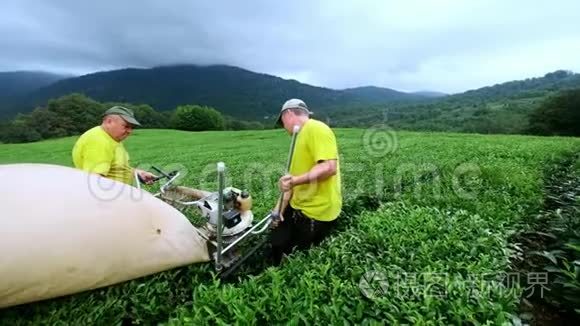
(447, 45)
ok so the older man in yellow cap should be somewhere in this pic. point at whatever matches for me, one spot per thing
(312, 198)
(100, 149)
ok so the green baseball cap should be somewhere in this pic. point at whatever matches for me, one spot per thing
(125, 113)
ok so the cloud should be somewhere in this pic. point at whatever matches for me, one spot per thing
(447, 45)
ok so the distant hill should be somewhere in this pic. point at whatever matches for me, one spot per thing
(231, 90)
(429, 94)
(530, 87)
(375, 94)
(501, 108)
(21, 82)
(16, 84)
(236, 92)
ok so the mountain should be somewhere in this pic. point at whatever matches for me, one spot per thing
(255, 96)
(378, 94)
(500, 108)
(530, 87)
(15, 83)
(430, 94)
(233, 91)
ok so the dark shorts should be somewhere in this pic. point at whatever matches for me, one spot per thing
(297, 231)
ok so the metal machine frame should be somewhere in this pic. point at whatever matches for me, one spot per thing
(224, 259)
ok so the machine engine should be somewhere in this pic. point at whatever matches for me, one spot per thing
(236, 211)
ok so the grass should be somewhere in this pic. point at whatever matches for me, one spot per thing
(427, 212)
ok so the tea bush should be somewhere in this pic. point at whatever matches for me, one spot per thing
(423, 237)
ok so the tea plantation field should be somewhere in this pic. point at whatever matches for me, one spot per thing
(424, 237)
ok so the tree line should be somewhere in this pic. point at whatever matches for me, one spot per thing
(75, 113)
(554, 113)
(557, 114)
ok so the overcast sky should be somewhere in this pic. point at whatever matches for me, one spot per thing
(448, 46)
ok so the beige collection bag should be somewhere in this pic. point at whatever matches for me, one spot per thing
(64, 231)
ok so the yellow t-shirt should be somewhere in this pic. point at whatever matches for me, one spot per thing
(97, 152)
(318, 200)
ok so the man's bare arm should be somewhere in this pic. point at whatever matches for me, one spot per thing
(321, 171)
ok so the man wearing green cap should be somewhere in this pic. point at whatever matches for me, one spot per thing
(312, 198)
(100, 149)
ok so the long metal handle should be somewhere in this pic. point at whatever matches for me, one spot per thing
(292, 145)
(137, 179)
(163, 188)
(221, 182)
(161, 172)
(288, 164)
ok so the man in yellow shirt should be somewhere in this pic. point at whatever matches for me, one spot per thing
(312, 197)
(100, 149)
